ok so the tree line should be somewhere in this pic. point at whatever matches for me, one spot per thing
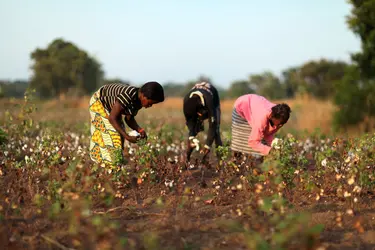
(62, 68)
(53, 76)
(316, 78)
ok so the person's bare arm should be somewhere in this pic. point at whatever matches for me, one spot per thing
(132, 123)
(115, 120)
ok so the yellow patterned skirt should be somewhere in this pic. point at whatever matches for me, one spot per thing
(105, 142)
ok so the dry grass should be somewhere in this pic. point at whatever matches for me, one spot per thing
(308, 114)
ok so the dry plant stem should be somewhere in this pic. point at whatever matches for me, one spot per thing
(139, 214)
(55, 243)
(108, 211)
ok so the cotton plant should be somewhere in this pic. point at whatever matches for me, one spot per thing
(277, 143)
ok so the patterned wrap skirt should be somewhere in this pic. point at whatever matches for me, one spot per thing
(240, 134)
(105, 141)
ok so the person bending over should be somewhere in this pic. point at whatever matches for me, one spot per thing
(255, 121)
(108, 105)
(201, 103)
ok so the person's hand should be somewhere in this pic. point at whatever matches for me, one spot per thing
(142, 133)
(132, 139)
(205, 151)
(194, 143)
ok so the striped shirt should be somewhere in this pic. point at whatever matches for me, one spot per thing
(127, 96)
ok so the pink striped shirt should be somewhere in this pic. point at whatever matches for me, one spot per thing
(256, 110)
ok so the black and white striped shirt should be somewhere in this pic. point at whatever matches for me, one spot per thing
(127, 96)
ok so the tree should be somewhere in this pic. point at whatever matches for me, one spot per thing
(14, 89)
(316, 78)
(63, 66)
(268, 85)
(238, 88)
(362, 23)
(174, 89)
(320, 76)
(355, 94)
(292, 81)
(222, 92)
(2, 94)
(351, 99)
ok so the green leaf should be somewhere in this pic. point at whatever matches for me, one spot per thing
(123, 241)
(263, 245)
(282, 225)
(262, 177)
(96, 220)
(55, 209)
(279, 238)
(317, 229)
(267, 205)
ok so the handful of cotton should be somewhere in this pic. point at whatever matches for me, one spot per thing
(134, 133)
(194, 142)
(276, 143)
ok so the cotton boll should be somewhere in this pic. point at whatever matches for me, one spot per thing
(134, 133)
(324, 162)
(196, 143)
(276, 143)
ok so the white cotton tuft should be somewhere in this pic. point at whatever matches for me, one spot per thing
(134, 133)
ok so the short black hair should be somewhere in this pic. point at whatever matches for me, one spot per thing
(153, 91)
(281, 112)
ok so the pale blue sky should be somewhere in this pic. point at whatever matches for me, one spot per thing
(178, 40)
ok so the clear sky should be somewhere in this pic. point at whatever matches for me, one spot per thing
(176, 40)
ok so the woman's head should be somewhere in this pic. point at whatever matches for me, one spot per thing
(151, 93)
(280, 115)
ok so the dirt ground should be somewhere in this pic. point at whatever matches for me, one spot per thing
(207, 207)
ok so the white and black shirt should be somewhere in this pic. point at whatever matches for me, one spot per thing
(127, 96)
(203, 98)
